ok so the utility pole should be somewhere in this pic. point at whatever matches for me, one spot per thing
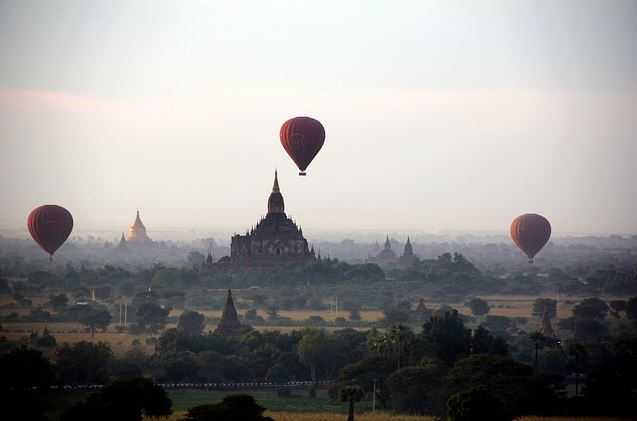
(374, 397)
(577, 374)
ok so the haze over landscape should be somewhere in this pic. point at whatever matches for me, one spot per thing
(277, 210)
(440, 116)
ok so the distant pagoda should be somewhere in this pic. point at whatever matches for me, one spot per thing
(137, 232)
(209, 260)
(408, 258)
(421, 308)
(122, 243)
(230, 324)
(386, 256)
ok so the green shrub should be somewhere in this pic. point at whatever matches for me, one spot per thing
(476, 404)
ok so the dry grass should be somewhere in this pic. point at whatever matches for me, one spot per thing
(322, 416)
(503, 305)
(513, 306)
(319, 416)
(377, 416)
(571, 419)
(297, 315)
(120, 343)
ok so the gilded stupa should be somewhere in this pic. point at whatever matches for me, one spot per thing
(137, 232)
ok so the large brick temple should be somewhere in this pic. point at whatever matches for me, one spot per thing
(276, 238)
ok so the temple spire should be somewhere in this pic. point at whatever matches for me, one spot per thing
(137, 231)
(275, 201)
(229, 324)
(275, 187)
(122, 242)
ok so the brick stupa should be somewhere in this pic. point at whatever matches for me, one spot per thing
(230, 324)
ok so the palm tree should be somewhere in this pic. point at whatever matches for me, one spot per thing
(351, 394)
(538, 339)
(578, 351)
(394, 344)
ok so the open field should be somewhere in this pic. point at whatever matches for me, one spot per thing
(300, 407)
(504, 305)
(522, 306)
(295, 408)
(298, 402)
(296, 315)
(120, 342)
(70, 333)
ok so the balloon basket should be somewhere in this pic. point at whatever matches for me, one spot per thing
(530, 261)
(302, 173)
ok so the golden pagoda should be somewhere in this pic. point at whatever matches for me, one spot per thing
(137, 231)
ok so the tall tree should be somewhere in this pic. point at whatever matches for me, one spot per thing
(446, 337)
(24, 384)
(84, 363)
(631, 309)
(478, 306)
(351, 394)
(151, 316)
(93, 316)
(591, 308)
(395, 344)
(311, 350)
(191, 323)
(124, 400)
(59, 301)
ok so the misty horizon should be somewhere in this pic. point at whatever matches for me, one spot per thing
(440, 117)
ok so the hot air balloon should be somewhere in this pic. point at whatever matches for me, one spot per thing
(302, 138)
(530, 232)
(50, 226)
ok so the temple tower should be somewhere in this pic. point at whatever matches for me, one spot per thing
(409, 250)
(229, 324)
(408, 258)
(137, 231)
(122, 242)
(275, 201)
(275, 238)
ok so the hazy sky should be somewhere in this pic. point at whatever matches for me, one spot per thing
(439, 115)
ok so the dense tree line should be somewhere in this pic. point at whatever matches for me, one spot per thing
(444, 368)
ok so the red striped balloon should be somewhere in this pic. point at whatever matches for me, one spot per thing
(302, 138)
(50, 226)
(530, 232)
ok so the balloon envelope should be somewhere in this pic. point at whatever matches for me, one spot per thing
(530, 232)
(302, 138)
(50, 226)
